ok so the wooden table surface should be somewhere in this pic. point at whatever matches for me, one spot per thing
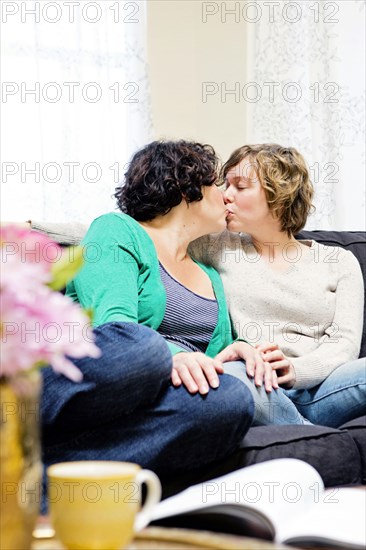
(161, 538)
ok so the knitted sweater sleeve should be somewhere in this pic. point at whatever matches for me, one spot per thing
(342, 338)
(207, 249)
(64, 233)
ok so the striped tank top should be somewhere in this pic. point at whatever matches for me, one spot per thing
(189, 319)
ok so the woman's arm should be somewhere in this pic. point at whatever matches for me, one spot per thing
(209, 248)
(108, 281)
(342, 339)
(65, 233)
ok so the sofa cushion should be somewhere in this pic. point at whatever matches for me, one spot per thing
(333, 453)
(355, 241)
(357, 430)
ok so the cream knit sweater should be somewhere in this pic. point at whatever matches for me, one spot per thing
(313, 310)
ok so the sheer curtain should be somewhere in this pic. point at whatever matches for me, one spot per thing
(75, 105)
(306, 69)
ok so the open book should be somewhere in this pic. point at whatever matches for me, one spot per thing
(282, 500)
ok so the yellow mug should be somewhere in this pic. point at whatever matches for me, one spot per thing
(95, 505)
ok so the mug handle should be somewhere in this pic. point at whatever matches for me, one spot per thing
(153, 497)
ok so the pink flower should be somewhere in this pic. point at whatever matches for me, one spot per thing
(26, 256)
(38, 325)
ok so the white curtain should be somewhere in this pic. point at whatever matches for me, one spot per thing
(306, 88)
(65, 146)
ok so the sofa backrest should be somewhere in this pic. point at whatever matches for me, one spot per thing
(355, 241)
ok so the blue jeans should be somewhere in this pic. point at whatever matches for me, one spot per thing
(340, 398)
(269, 408)
(126, 409)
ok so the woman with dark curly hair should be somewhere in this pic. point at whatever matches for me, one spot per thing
(159, 317)
(300, 303)
(145, 275)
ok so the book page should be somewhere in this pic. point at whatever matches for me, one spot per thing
(281, 489)
(336, 515)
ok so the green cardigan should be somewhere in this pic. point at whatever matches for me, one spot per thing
(120, 280)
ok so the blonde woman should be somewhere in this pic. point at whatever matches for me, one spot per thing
(300, 303)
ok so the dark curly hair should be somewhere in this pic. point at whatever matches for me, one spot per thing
(164, 173)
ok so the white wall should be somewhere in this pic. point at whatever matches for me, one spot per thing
(184, 53)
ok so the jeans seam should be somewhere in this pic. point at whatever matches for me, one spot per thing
(334, 391)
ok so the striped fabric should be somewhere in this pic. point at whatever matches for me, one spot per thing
(189, 319)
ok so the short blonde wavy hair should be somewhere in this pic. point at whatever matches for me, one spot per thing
(285, 178)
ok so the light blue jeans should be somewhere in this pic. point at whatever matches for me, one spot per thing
(340, 398)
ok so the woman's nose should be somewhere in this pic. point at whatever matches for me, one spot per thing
(227, 196)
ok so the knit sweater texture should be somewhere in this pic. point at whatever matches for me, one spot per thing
(120, 280)
(313, 309)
